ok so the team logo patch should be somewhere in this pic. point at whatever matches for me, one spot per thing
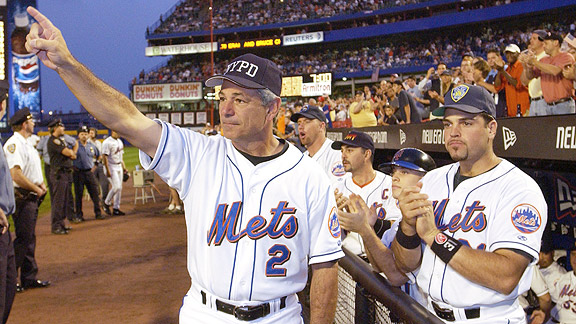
(11, 148)
(526, 218)
(440, 238)
(333, 224)
(459, 92)
(338, 169)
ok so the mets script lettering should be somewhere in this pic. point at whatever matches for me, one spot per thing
(473, 219)
(224, 224)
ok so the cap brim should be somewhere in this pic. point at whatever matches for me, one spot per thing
(337, 145)
(439, 112)
(219, 79)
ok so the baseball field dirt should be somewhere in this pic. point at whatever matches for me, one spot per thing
(124, 269)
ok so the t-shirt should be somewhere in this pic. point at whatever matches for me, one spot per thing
(555, 87)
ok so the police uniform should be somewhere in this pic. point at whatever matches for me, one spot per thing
(83, 176)
(20, 153)
(61, 177)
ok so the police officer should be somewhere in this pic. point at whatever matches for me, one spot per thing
(83, 175)
(26, 172)
(7, 207)
(61, 176)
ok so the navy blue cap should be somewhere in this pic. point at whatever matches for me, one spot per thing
(20, 116)
(252, 72)
(82, 129)
(409, 158)
(55, 122)
(468, 98)
(356, 139)
(310, 112)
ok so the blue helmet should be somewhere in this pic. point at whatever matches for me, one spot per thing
(409, 158)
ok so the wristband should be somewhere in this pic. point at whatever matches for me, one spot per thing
(407, 242)
(445, 247)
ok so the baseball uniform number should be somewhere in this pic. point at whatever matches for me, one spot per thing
(279, 255)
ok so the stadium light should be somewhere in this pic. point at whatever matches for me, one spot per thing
(344, 78)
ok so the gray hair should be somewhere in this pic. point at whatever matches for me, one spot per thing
(267, 96)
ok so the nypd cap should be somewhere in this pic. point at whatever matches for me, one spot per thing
(20, 116)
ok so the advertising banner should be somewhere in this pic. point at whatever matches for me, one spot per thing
(167, 92)
(181, 49)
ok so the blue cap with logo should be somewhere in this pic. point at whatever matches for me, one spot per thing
(252, 72)
(468, 98)
(310, 112)
(356, 139)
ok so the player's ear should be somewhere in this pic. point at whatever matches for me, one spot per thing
(273, 109)
(492, 128)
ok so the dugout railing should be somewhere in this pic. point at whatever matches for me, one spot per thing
(365, 297)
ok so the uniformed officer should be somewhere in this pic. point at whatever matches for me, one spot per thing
(61, 176)
(26, 172)
(7, 207)
(83, 175)
(99, 172)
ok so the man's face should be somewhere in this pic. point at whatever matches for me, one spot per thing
(535, 43)
(352, 157)
(465, 66)
(388, 111)
(402, 178)
(310, 131)
(242, 114)
(92, 133)
(545, 259)
(491, 58)
(359, 96)
(467, 136)
(550, 45)
(83, 137)
(28, 126)
(2, 108)
(446, 79)
(511, 57)
(411, 82)
(115, 135)
(441, 68)
(59, 131)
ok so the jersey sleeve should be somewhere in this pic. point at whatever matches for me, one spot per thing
(325, 231)
(105, 148)
(538, 284)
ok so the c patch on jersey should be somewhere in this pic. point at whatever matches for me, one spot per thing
(338, 169)
(11, 148)
(526, 218)
(333, 224)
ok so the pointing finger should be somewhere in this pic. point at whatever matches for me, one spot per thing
(40, 18)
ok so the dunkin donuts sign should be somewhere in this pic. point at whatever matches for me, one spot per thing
(167, 92)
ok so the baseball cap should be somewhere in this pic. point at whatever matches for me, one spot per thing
(356, 139)
(409, 158)
(570, 40)
(554, 36)
(468, 98)
(541, 34)
(252, 72)
(446, 72)
(82, 129)
(513, 48)
(310, 112)
(55, 122)
(20, 116)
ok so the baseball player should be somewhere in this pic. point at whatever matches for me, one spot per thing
(536, 302)
(481, 219)
(267, 210)
(551, 271)
(565, 291)
(312, 133)
(373, 186)
(112, 158)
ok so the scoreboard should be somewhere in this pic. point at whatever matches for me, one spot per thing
(307, 85)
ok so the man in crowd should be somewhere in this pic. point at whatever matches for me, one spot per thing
(556, 89)
(493, 56)
(61, 157)
(362, 111)
(8, 272)
(431, 82)
(409, 114)
(112, 157)
(84, 176)
(517, 99)
(481, 220)
(312, 133)
(26, 171)
(538, 106)
(414, 91)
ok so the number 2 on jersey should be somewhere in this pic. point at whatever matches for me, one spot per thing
(279, 255)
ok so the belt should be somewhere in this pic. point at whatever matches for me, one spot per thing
(560, 101)
(537, 98)
(244, 313)
(448, 314)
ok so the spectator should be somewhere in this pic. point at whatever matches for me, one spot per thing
(538, 106)
(481, 72)
(388, 117)
(467, 71)
(431, 82)
(517, 99)
(556, 89)
(493, 56)
(409, 114)
(361, 112)
(413, 90)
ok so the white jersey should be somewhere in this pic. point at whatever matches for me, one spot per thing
(252, 229)
(538, 285)
(376, 193)
(20, 152)
(566, 288)
(114, 149)
(501, 208)
(330, 160)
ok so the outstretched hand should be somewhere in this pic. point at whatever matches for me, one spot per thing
(46, 41)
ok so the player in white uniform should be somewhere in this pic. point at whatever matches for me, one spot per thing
(112, 157)
(312, 133)
(551, 271)
(373, 186)
(481, 218)
(540, 289)
(266, 211)
(565, 290)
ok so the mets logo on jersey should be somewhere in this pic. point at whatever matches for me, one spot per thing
(333, 224)
(337, 169)
(526, 218)
(459, 92)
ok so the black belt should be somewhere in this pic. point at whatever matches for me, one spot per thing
(560, 101)
(537, 98)
(244, 313)
(84, 170)
(448, 314)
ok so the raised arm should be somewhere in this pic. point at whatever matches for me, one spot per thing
(109, 106)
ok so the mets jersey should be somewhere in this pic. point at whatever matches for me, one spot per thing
(376, 193)
(252, 229)
(114, 148)
(330, 160)
(502, 208)
(566, 298)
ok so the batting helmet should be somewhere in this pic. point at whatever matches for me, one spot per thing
(409, 158)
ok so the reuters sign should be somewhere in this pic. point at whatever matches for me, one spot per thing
(167, 92)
